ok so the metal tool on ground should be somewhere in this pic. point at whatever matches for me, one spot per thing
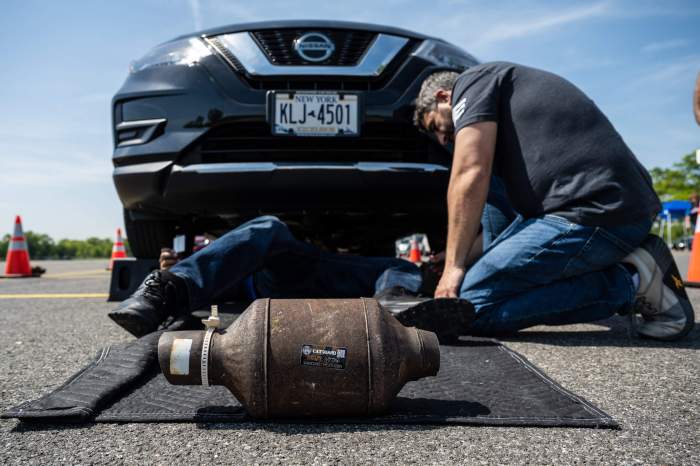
(17, 260)
(305, 357)
(118, 249)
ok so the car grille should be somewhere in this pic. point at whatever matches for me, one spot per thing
(278, 45)
(253, 142)
(337, 83)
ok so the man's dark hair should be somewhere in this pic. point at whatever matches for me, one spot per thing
(426, 100)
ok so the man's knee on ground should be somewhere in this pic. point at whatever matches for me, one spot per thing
(493, 318)
(492, 321)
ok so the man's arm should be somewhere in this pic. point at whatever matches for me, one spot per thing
(466, 196)
(696, 100)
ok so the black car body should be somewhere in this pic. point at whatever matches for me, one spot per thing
(195, 149)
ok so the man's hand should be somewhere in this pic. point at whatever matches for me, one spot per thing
(449, 284)
(168, 258)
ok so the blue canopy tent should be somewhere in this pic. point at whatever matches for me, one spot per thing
(676, 210)
(670, 211)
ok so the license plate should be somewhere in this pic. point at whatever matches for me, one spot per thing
(315, 114)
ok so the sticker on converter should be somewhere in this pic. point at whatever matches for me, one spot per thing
(323, 356)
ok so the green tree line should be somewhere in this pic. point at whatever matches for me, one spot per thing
(678, 182)
(42, 246)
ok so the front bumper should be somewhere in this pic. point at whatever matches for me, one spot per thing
(228, 188)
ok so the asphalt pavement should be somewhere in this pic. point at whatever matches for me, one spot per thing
(651, 388)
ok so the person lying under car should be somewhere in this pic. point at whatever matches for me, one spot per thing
(263, 256)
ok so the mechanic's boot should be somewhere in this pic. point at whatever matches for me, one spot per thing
(397, 299)
(448, 318)
(162, 294)
(666, 312)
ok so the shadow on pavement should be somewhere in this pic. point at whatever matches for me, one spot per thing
(28, 426)
(311, 426)
(617, 334)
(286, 427)
(290, 427)
(418, 407)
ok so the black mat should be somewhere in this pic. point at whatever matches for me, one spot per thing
(480, 382)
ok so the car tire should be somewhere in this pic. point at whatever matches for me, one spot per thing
(147, 237)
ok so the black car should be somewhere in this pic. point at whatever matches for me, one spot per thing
(307, 120)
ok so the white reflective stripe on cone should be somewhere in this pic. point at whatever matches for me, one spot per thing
(18, 230)
(18, 245)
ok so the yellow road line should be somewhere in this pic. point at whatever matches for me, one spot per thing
(53, 295)
(77, 274)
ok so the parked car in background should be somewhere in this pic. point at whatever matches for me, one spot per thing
(683, 243)
(307, 120)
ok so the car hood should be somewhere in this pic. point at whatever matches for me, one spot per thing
(306, 24)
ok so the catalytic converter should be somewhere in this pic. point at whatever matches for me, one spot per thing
(304, 357)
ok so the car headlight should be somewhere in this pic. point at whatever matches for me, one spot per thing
(444, 54)
(180, 52)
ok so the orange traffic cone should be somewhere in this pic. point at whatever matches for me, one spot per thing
(414, 255)
(693, 278)
(118, 250)
(17, 262)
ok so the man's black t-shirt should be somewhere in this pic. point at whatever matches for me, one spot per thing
(555, 151)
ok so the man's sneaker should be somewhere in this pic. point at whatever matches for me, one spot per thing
(666, 312)
(447, 317)
(162, 294)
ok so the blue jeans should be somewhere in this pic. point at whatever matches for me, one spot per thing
(284, 267)
(547, 270)
(498, 213)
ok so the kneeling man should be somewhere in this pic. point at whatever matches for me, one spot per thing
(578, 247)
